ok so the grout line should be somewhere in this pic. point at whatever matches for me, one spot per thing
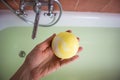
(106, 5)
(76, 5)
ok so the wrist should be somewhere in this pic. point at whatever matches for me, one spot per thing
(23, 73)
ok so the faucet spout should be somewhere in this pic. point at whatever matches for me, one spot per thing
(35, 27)
(37, 7)
(37, 16)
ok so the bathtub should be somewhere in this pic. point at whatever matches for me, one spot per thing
(99, 36)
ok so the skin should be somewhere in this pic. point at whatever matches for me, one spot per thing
(41, 61)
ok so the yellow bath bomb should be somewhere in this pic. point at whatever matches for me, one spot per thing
(65, 45)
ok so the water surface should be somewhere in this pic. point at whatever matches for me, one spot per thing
(100, 59)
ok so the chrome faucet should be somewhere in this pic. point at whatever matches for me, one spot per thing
(36, 4)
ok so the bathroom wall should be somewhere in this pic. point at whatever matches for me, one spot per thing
(92, 5)
(112, 6)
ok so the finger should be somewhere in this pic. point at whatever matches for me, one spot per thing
(69, 31)
(49, 39)
(66, 61)
(80, 49)
(78, 38)
(47, 42)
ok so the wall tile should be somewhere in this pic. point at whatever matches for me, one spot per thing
(91, 5)
(112, 6)
(68, 5)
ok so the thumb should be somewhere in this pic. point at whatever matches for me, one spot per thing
(66, 61)
(47, 42)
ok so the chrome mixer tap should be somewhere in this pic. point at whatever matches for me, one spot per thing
(37, 4)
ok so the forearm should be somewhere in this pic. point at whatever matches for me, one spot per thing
(23, 73)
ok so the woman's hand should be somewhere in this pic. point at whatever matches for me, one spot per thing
(41, 61)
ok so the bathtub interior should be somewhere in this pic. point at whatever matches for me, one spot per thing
(99, 60)
(99, 36)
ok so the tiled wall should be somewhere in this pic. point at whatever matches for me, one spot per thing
(92, 5)
(86, 5)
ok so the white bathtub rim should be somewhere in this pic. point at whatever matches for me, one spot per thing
(68, 19)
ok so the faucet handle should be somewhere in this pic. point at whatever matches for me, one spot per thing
(51, 15)
(50, 9)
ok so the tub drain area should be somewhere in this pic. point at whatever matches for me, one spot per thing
(22, 54)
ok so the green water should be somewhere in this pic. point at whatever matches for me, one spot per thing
(100, 59)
